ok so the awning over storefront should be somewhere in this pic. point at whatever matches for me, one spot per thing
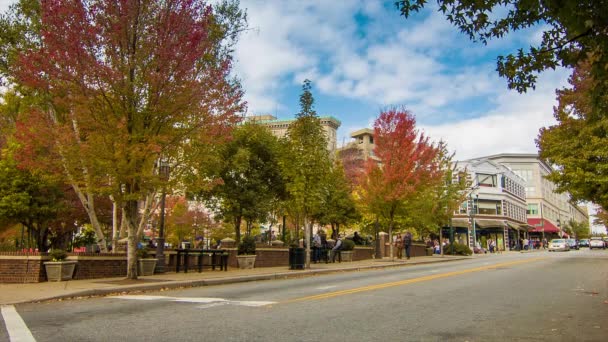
(482, 223)
(541, 225)
(460, 222)
(514, 225)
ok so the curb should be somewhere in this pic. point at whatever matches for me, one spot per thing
(219, 281)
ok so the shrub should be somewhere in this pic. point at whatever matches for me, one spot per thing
(142, 253)
(247, 245)
(58, 255)
(459, 249)
(348, 245)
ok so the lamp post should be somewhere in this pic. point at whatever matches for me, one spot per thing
(163, 172)
(472, 209)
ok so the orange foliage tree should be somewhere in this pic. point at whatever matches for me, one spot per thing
(126, 83)
(407, 161)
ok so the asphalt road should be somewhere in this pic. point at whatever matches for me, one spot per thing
(508, 297)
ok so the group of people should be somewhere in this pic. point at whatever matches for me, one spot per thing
(403, 244)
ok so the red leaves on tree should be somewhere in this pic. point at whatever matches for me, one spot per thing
(129, 80)
(408, 159)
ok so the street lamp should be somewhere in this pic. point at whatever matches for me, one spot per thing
(163, 171)
(472, 209)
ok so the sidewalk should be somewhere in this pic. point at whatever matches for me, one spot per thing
(26, 293)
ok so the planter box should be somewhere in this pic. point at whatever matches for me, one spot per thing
(246, 261)
(59, 270)
(346, 255)
(146, 267)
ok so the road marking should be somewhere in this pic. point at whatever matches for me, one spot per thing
(15, 326)
(208, 301)
(326, 287)
(406, 282)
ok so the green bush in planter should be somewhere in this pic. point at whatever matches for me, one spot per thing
(247, 246)
(142, 253)
(58, 255)
(348, 245)
(459, 249)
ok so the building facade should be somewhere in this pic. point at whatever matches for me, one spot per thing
(279, 127)
(495, 207)
(547, 210)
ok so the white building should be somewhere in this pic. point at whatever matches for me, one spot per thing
(547, 210)
(495, 208)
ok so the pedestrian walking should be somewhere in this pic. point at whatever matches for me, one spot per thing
(407, 243)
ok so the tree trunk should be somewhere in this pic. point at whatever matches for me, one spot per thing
(377, 235)
(307, 232)
(115, 231)
(237, 229)
(88, 202)
(131, 218)
(390, 237)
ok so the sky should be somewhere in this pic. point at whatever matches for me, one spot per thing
(363, 57)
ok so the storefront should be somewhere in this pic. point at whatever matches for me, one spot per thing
(543, 228)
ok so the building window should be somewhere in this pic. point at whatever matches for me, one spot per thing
(489, 207)
(371, 140)
(532, 209)
(486, 180)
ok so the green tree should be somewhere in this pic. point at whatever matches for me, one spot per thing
(338, 207)
(34, 200)
(578, 143)
(251, 179)
(306, 164)
(578, 230)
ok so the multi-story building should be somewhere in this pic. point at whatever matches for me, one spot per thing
(547, 210)
(279, 127)
(495, 207)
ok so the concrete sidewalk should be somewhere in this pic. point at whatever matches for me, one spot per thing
(26, 293)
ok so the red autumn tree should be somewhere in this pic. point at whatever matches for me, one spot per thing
(124, 84)
(407, 161)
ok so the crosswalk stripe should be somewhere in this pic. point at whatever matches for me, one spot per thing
(208, 301)
(15, 326)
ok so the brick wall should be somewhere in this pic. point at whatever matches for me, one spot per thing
(24, 268)
(100, 266)
(16, 267)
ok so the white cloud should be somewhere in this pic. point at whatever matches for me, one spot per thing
(511, 127)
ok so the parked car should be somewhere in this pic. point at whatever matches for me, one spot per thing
(558, 245)
(583, 243)
(572, 243)
(596, 242)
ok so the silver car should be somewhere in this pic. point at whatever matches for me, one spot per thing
(596, 242)
(558, 245)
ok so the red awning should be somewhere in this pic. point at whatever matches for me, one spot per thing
(539, 224)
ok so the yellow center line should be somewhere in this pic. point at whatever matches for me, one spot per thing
(407, 281)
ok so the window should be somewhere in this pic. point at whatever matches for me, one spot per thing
(532, 209)
(371, 140)
(486, 180)
(489, 207)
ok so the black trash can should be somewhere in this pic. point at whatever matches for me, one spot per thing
(297, 258)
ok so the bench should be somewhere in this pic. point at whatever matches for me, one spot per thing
(218, 257)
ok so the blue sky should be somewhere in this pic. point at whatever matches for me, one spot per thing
(362, 56)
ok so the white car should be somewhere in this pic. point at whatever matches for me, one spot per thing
(596, 242)
(558, 245)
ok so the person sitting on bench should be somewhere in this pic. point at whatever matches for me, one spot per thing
(336, 250)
